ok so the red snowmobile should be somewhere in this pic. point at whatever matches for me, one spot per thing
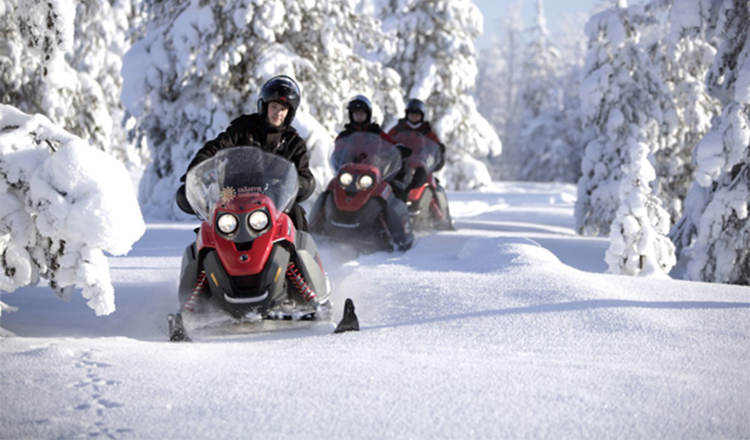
(248, 258)
(359, 205)
(427, 201)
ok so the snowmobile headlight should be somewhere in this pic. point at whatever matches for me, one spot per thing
(227, 223)
(365, 181)
(346, 179)
(258, 220)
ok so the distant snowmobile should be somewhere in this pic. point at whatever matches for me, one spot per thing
(359, 205)
(248, 259)
(427, 201)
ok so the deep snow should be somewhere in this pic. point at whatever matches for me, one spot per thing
(506, 328)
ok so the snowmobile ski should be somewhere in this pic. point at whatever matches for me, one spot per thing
(350, 322)
(177, 332)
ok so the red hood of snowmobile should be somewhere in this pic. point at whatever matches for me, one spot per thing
(351, 198)
(246, 256)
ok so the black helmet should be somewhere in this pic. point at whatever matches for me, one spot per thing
(281, 89)
(416, 106)
(360, 103)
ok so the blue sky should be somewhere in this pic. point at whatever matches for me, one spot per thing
(493, 10)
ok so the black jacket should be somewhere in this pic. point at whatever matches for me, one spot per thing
(353, 127)
(284, 141)
(251, 129)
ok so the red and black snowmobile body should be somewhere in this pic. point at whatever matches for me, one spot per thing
(427, 201)
(359, 205)
(248, 257)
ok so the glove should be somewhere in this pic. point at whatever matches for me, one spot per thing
(405, 151)
(182, 200)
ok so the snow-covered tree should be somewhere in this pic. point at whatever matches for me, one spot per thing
(546, 153)
(200, 65)
(638, 241)
(540, 66)
(715, 225)
(572, 139)
(598, 188)
(63, 204)
(621, 97)
(62, 59)
(687, 117)
(497, 90)
(100, 41)
(545, 142)
(36, 36)
(437, 63)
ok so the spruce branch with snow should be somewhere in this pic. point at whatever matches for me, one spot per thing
(64, 204)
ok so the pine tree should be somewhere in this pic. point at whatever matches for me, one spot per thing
(546, 155)
(598, 191)
(638, 242)
(571, 141)
(498, 84)
(437, 63)
(100, 41)
(687, 117)
(545, 144)
(622, 97)
(63, 61)
(716, 224)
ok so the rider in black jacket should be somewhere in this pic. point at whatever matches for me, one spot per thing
(270, 129)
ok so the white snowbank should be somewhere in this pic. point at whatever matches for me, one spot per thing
(505, 328)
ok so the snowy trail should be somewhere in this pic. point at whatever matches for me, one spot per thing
(488, 331)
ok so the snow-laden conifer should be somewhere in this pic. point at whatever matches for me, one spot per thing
(101, 38)
(716, 224)
(548, 152)
(606, 63)
(62, 59)
(683, 64)
(497, 90)
(622, 97)
(638, 241)
(63, 204)
(437, 63)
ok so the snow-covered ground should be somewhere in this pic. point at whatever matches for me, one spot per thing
(506, 328)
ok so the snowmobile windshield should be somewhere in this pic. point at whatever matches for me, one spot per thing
(367, 148)
(423, 149)
(235, 171)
